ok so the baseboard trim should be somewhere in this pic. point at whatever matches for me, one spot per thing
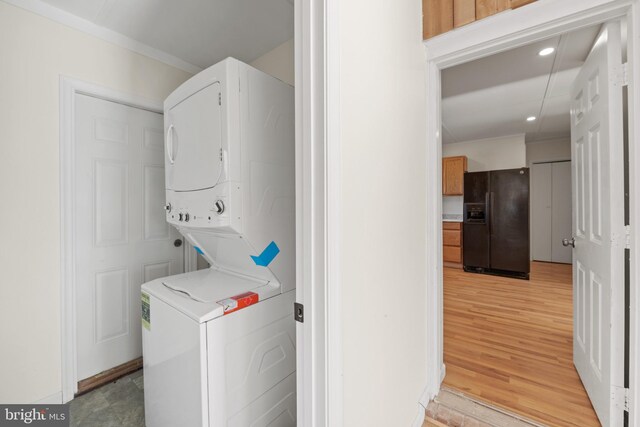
(418, 421)
(108, 376)
(426, 397)
(452, 264)
(53, 399)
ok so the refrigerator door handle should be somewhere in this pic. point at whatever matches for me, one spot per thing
(487, 211)
(491, 214)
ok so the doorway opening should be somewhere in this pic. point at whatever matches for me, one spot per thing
(508, 341)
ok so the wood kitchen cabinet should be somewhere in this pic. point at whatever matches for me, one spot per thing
(440, 16)
(453, 169)
(452, 244)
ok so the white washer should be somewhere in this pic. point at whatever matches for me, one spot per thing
(202, 367)
(219, 344)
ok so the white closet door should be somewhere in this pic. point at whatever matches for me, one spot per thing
(560, 211)
(541, 211)
(122, 237)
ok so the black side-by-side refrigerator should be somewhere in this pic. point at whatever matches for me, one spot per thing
(496, 222)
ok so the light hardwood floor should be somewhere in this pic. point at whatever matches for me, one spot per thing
(509, 342)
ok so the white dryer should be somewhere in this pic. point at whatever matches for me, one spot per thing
(219, 344)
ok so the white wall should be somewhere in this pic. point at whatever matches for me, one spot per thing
(34, 53)
(278, 62)
(382, 130)
(551, 150)
(452, 205)
(507, 152)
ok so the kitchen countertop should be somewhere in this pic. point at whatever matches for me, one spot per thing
(452, 217)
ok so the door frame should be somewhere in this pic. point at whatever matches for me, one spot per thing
(507, 30)
(69, 88)
(318, 192)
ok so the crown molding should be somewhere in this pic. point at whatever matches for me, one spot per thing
(80, 24)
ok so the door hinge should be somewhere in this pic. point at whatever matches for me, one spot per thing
(298, 312)
(627, 236)
(621, 397)
(623, 75)
(219, 98)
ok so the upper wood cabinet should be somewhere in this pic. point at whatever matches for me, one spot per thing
(453, 169)
(440, 16)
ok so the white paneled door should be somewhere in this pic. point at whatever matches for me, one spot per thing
(598, 226)
(121, 237)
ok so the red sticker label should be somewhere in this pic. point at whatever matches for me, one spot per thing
(237, 302)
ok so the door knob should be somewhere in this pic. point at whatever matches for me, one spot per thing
(569, 242)
(177, 243)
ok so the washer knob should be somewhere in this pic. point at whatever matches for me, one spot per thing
(180, 217)
(218, 207)
(167, 207)
(186, 217)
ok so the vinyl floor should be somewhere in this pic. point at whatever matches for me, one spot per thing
(117, 404)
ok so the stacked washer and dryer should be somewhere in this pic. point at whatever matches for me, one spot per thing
(219, 343)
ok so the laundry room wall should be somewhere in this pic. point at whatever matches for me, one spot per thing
(36, 51)
(382, 122)
(278, 62)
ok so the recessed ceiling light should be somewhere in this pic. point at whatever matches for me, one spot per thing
(546, 51)
(531, 118)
